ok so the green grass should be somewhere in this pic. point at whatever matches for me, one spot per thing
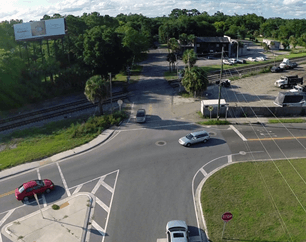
(39, 143)
(291, 120)
(134, 76)
(263, 206)
(170, 75)
(214, 122)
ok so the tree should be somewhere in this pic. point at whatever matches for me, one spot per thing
(171, 58)
(293, 41)
(265, 46)
(104, 52)
(195, 80)
(97, 90)
(189, 58)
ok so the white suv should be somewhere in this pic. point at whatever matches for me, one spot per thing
(177, 231)
(193, 138)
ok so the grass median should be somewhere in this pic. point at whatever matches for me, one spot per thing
(38, 143)
(267, 200)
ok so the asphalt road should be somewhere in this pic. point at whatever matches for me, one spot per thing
(148, 178)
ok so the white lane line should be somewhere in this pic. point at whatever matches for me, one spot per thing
(6, 216)
(78, 188)
(203, 171)
(102, 204)
(42, 195)
(108, 187)
(63, 179)
(97, 185)
(229, 158)
(98, 227)
(237, 132)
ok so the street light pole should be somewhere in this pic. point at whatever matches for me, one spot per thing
(111, 92)
(219, 97)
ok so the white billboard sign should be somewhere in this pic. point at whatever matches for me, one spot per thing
(39, 29)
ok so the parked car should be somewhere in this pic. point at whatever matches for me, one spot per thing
(141, 116)
(27, 190)
(251, 59)
(195, 137)
(260, 58)
(177, 231)
(232, 60)
(227, 62)
(275, 69)
(240, 61)
(224, 82)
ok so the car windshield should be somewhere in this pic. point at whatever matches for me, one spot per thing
(140, 114)
(189, 136)
(21, 189)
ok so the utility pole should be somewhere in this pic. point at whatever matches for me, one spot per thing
(111, 92)
(237, 49)
(218, 107)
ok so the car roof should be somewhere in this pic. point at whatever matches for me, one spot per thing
(29, 184)
(199, 132)
(176, 223)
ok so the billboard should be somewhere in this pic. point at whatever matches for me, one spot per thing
(40, 29)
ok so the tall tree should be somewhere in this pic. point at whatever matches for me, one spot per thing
(104, 52)
(189, 58)
(97, 90)
(195, 80)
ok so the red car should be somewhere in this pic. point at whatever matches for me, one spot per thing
(27, 190)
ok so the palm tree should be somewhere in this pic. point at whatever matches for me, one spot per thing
(97, 90)
(189, 58)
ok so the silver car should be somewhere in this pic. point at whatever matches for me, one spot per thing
(195, 137)
(141, 116)
(177, 231)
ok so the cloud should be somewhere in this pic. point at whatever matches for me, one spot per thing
(288, 2)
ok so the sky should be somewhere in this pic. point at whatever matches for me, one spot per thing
(35, 9)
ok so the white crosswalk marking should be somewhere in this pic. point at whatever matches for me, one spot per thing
(108, 187)
(97, 185)
(77, 189)
(6, 216)
(203, 171)
(102, 204)
(63, 179)
(97, 227)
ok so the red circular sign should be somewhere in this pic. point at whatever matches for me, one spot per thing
(227, 216)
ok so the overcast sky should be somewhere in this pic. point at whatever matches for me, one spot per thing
(35, 9)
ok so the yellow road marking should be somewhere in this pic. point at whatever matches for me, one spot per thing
(279, 138)
(7, 193)
(150, 109)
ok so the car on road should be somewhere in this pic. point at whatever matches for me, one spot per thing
(28, 189)
(194, 137)
(276, 69)
(177, 231)
(141, 116)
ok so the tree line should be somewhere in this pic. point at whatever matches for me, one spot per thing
(99, 45)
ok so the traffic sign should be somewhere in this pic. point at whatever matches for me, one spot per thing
(227, 216)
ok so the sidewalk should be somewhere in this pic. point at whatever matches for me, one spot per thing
(69, 223)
